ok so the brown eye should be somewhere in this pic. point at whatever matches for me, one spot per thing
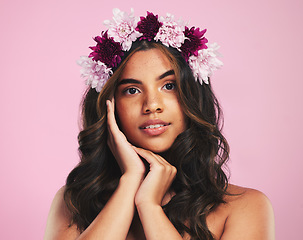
(169, 86)
(131, 91)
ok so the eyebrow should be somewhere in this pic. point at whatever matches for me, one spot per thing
(135, 81)
(168, 73)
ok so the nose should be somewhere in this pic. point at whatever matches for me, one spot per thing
(153, 103)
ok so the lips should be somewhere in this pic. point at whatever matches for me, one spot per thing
(154, 127)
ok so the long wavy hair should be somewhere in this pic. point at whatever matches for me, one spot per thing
(198, 153)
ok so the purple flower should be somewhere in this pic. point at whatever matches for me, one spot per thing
(148, 26)
(107, 51)
(194, 41)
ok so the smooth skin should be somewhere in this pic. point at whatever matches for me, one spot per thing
(146, 93)
(134, 210)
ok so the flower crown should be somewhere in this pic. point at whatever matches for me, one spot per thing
(125, 29)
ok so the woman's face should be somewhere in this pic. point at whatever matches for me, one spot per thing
(146, 102)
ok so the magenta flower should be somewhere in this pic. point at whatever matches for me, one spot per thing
(148, 26)
(124, 29)
(107, 51)
(194, 41)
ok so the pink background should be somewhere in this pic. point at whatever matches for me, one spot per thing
(259, 87)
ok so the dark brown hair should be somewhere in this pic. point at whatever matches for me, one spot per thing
(198, 153)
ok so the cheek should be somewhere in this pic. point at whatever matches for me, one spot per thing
(182, 123)
(179, 114)
(124, 115)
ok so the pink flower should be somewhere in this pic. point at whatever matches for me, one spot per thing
(149, 26)
(95, 73)
(194, 41)
(122, 28)
(205, 63)
(107, 50)
(171, 33)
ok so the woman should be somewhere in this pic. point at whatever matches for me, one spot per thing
(151, 148)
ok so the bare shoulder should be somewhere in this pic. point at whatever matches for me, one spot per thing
(58, 221)
(241, 196)
(250, 215)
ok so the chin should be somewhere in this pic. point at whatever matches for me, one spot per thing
(159, 150)
(155, 148)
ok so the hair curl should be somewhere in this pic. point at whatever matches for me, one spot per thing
(198, 153)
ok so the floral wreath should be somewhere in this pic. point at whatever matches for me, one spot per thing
(125, 29)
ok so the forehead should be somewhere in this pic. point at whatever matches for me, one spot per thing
(151, 62)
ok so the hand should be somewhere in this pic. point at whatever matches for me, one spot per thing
(124, 153)
(158, 180)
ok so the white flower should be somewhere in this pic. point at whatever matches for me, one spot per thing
(122, 28)
(95, 73)
(171, 33)
(205, 63)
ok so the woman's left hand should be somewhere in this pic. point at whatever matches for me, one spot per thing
(157, 181)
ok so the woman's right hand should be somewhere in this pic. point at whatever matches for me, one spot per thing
(127, 158)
